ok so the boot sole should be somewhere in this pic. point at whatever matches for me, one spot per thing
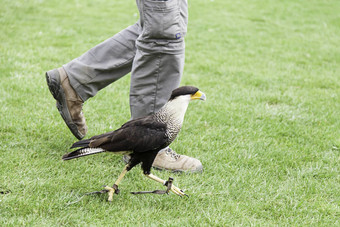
(54, 85)
(200, 170)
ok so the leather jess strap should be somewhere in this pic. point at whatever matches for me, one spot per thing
(159, 192)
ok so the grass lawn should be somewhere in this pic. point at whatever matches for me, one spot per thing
(268, 134)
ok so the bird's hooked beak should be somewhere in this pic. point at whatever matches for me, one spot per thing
(198, 95)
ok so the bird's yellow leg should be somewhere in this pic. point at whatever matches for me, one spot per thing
(173, 188)
(112, 190)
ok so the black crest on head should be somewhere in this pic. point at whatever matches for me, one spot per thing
(184, 90)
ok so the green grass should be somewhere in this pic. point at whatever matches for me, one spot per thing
(268, 134)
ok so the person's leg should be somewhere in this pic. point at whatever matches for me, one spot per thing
(157, 68)
(83, 77)
(103, 64)
(158, 64)
(153, 78)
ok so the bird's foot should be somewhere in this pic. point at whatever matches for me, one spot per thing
(173, 188)
(111, 190)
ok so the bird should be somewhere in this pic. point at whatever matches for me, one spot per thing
(142, 138)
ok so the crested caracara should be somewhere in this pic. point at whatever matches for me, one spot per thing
(142, 138)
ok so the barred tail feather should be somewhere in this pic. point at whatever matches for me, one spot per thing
(82, 152)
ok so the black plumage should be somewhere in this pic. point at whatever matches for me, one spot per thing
(144, 137)
(141, 138)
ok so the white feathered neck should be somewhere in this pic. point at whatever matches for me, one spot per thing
(175, 109)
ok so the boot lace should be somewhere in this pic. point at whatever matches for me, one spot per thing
(172, 153)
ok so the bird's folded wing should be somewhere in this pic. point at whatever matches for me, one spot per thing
(138, 137)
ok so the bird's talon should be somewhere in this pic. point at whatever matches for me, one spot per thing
(111, 191)
(178, 191)
(115, 187)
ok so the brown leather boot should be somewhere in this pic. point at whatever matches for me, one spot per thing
(69, 103)
(168, 159)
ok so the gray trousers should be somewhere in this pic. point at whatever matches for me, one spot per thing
(152, 50)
